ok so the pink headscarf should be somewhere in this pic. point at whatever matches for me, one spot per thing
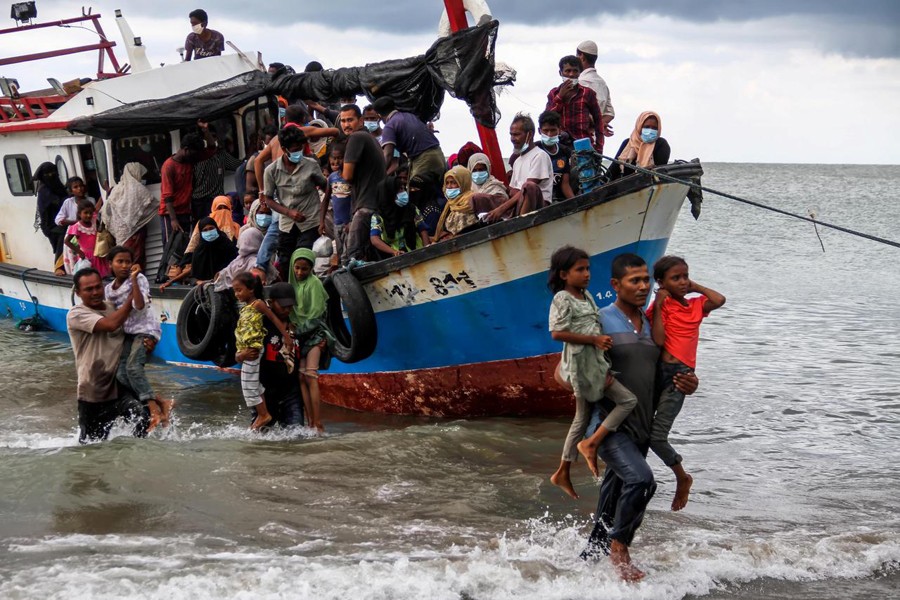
(638, 151)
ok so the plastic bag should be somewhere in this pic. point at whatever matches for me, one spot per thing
(81, 264)
(323, 247)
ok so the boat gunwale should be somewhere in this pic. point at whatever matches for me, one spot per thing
(377, 270)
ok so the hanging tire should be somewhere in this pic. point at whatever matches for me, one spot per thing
(200, 317)
(346, 294)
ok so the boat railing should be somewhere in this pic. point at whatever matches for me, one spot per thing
(16, 106)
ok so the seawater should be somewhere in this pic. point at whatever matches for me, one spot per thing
(792, 440)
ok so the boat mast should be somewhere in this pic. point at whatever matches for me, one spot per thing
(456, 12)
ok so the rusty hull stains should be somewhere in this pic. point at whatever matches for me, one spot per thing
(521, 387)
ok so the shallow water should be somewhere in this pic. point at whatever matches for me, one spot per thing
(792, 440)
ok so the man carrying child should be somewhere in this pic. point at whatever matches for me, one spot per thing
(95, 328)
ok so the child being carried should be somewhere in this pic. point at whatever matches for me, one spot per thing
(584, 368)
(676, 329)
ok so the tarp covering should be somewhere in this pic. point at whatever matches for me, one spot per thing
(182, 110)
(461, 65)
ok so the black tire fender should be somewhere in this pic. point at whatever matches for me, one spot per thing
(199, 319)
(346, 294)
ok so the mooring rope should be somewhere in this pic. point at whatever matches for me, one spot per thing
(787, 213)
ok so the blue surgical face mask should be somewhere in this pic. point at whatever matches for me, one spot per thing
(371, 126)
(549, 141)
(480, 177)
(453, 193)
(263, 220)
(295, 157)
(402, 199)
(648, 136)
(210, 236)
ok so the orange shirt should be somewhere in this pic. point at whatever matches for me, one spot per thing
(682, 325)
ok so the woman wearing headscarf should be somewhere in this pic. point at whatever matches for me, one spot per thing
(221, 214)
(458, 215)
(311, 333)
(214, 251)
(247, 247)
(397, 225)
(129, 207)
(488, 191)
(51, 193)
(644, 148)
(259, 217)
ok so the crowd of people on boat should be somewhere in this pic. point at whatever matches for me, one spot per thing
(374, 181)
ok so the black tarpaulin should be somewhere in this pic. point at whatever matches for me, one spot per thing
(182, 110)
(461, 65)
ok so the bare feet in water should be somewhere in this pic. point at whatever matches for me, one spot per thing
(165, 410)
(621, 560)
(589, 452)
(261, 421)
(561, 479)
(155, 416)
(682, 490)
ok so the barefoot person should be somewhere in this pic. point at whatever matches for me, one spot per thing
(250, 334)
(95, 328)
(574, 320)
(142, 332)
(676, 329)
(628, 483)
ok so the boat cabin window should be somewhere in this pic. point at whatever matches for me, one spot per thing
(18, 175)
(95, 160)
(225, 131)
(62, 169)
(250, 123)
(150, 150)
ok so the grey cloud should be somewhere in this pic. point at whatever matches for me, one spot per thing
(866, 28)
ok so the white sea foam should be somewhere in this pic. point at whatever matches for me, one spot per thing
(179, 431)
(538, 562)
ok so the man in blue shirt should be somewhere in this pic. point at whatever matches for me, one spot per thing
(628, 483)
(408, 134)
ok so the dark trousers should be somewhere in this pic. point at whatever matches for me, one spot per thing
(358, 238)
(625, 492)
(667, 408)
(200, 207)
(95, 419)
(290, 241)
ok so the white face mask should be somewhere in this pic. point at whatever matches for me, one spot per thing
(198, 29)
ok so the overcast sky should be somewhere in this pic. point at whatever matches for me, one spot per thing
(813, 81)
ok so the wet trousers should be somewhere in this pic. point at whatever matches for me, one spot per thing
(95, 419)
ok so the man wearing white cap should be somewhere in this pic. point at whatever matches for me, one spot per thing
(587, 54)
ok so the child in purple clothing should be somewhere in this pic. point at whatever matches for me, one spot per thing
(142, 332)
(339, 194)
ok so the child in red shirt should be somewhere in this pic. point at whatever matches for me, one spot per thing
(676, 328)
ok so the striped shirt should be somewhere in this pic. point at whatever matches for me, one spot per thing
(209, 175)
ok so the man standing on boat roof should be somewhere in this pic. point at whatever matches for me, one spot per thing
(589, 78)
(202, 42)
(95, 328)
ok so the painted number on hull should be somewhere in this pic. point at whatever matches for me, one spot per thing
(443, 285)
(607, 295)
